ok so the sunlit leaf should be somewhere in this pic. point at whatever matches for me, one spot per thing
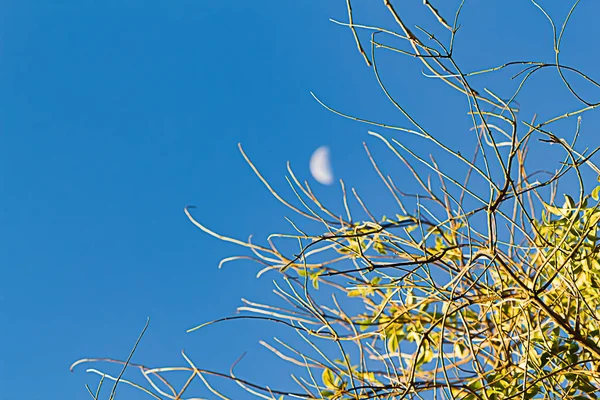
(328, 379)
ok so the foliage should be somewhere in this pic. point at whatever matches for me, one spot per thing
(482, 287)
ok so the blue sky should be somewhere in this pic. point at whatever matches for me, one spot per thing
(114, 115)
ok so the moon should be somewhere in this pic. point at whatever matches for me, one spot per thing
(320, 166)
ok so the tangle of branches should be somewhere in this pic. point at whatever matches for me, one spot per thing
(480, 287)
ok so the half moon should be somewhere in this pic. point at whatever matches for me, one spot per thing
(320, 166)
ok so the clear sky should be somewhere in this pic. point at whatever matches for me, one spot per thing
(115, 114)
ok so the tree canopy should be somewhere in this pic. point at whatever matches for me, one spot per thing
(485, 284)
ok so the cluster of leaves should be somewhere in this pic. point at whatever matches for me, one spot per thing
(480, 292)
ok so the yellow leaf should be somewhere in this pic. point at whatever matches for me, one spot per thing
(554, 210)
(328, 379)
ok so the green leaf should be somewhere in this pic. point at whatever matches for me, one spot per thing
(573, 348)
(413, 336)
(363, 324)
(425, 355)
(379, 247)
(553, 210)
(569, 203)
(315, 281)
(595, 193)
(544, 358)
(532, 392)
(585, 386)
(393, 343)
(302, 272)
(328, 379)
(460, 350)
